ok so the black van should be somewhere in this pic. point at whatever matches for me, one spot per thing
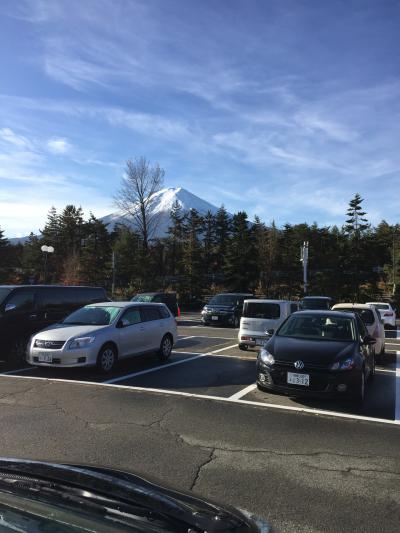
(323, 303)
(167, 298)
(26, 309)
(224, 309)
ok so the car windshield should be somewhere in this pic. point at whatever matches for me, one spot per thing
(366, 315)
(315, 303)
(319, 327)
(381, 306)
(223, 299)
(143, 298)
(3, 294)
(93, 315)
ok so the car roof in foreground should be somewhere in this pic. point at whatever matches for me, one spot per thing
(122, 305)
(316, 298)
(322, 312)
(267, 300)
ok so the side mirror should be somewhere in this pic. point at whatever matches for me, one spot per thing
(122, 323)
(368, 340)
(269, 332)
(10, 307)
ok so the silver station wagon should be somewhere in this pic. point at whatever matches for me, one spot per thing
(100, 334)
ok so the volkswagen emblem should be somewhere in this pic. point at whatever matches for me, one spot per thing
(299, 365)
(49, 343)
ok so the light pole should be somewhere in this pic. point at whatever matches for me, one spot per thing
(46, 250)
(304, 260)
(395, 234)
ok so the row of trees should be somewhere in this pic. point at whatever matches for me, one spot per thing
(207, 253)
(204, 252)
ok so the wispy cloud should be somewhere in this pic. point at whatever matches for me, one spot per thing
(58, 146)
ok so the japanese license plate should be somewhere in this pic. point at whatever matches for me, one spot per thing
(45, 358)
(214, 318)
(260, 342)
(298, 379)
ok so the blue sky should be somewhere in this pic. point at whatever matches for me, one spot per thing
(281, 108)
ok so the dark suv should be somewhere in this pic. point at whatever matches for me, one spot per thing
(224, 309)
(26, 309)
(167, 298)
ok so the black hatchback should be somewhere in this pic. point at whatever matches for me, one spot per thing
(321, 353)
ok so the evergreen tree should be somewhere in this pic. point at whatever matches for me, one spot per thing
(192, 254)
(96, 252)
(174, 243)
(222, 234)
(33, 260)
(127, 253)
(4, 255)
(51, 231)
(209, 244)
(240, 264)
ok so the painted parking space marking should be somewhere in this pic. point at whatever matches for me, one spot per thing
(17, 371)
(306, 410)
(243, 392)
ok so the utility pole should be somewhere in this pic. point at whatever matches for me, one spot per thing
(304, 260)
(113, 274)
(46, 250)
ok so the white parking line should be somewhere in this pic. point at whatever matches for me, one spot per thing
(397, 390)
(315, 412)
(18, 371)
(243, 392)
(162, 367)
(385, 370)
(184, 338)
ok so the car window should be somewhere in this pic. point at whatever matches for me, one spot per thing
(93, 315)
(366, 315)
(23, 300)
(3, 294)
(164, 312)
(362, 329)
(294, 308)
(151, 313)
(318, 327)
(382, 306)
(133, 316)
(262, 310)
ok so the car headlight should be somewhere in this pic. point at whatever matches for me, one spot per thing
(266, 357)
(346, 364)
(80, 342)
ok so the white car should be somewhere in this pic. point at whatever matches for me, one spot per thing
(372, 321)
(259, 316)
(100, 334)
(387, 312)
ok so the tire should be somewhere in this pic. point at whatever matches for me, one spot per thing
(236, 322)
(106, 359)
(243, 347)
(359, 394)
(18, 351)
(165, 348)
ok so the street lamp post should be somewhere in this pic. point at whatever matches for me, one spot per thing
(46, 250)
(304, 260)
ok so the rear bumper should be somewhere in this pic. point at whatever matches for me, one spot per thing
(226, 319)
(323, 384)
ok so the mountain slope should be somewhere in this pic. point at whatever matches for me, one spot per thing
(161, 205)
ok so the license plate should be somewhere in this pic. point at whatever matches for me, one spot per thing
(260, 342)
(298, 379)
(45, 358)
(214, 318)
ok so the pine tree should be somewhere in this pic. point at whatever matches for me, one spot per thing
(240, 264)
(96, 252)
(192, 255)
(51, 231)
(209, 244)
(175, 238)
(222, 234)
(4, 253)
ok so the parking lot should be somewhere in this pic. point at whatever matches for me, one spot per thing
(207, 362)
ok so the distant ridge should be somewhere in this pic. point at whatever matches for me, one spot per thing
(161, 204)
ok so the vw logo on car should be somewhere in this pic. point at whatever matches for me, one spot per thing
(299, 365)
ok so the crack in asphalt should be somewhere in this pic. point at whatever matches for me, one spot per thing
(351, 469)
(210, 458)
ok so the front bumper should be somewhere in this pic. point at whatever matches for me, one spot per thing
(218, 319)
(323, 383)
(63, 358)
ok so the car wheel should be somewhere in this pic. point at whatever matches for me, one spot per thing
(236, 322)
(359, 394)
(106, 359)
(165, 348)
(243, 347)
(18, 351)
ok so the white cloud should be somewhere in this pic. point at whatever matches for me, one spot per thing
(8, 135)
(58, 146)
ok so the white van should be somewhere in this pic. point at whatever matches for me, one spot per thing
(260, 315)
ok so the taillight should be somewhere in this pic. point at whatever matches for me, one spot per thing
(179, 311)
(388, 314)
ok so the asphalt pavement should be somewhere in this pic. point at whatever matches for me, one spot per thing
(198, 422)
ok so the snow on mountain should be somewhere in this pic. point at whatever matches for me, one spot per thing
(161, 205)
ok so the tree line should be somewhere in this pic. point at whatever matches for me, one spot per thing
(206, 253)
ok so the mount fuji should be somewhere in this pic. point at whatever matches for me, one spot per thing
(161, 205)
